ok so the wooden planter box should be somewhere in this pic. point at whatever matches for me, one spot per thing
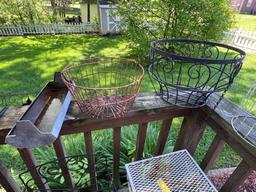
(41, 123)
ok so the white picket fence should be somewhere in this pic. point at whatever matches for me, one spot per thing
(56, 28)
(241, 38)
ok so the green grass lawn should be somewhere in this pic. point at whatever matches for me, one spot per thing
(27, 63)
(246, 22)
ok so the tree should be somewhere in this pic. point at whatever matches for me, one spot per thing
(144, 21)
(22, 12)
(59, 7)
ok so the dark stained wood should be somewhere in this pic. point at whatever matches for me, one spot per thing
(11, 115)
(212, 153)
(222, 125)
(234, 141)
(91, 161)
(82, 125)
(163, 136)
(30, 162)
(61, 154)
(191, 131)
(8, 120)
(144, 103)
(237, 177)
(141, 137)
(147, 107)
(6, 180)
(116, 155)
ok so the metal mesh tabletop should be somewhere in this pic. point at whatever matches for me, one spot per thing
(177, 170)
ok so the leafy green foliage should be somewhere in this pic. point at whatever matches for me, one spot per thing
(103, 147)
(22, 12)
(148, 20)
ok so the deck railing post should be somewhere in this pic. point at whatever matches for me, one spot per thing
(212, 153)
(163, 136)
(237, 178)
(61, 154)
(141, 137)
(6, 180)
(91, 160)
(116, 156)
(30, 162)
(191, 131)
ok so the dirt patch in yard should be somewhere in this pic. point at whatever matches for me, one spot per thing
(219, 177)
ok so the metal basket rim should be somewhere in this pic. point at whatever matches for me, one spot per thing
(135, 62)
(193, 59)
(237, 132)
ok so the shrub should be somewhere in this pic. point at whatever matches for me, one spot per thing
(148, 20)
(16, 12)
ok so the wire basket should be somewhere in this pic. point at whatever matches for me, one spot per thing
(104, 87)
(244, 123)
(187, 72)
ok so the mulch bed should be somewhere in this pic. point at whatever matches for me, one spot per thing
(218, 179)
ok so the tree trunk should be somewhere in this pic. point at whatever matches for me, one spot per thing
(53, 4)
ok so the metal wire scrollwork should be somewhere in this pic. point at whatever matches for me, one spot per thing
(187, 72)
(52, 175)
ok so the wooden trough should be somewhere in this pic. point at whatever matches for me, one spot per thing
(41, 123)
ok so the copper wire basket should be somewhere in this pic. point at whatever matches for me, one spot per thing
(104, 87)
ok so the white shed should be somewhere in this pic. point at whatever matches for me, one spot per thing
(110, 21)
(91, 10)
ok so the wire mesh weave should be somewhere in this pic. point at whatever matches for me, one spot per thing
(178, 170)
(104, 87)
(187, 72)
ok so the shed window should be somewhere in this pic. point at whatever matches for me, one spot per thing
(249, 3)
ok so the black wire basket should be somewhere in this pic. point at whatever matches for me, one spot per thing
(187, 72)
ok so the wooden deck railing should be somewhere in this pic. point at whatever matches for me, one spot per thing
(146, 108)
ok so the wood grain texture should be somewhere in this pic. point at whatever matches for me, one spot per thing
(146, 108)
(30, 162)
(212, 153)
(237, 178)
(191, 131)
(116, 155)
(11, 115)
(163, 136)
(234, 141)
(61, 154)
(91, 161)
(141, 137)
(6, 180)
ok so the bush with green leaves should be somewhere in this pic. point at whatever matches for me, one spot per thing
(144, 21)
(16, 12)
